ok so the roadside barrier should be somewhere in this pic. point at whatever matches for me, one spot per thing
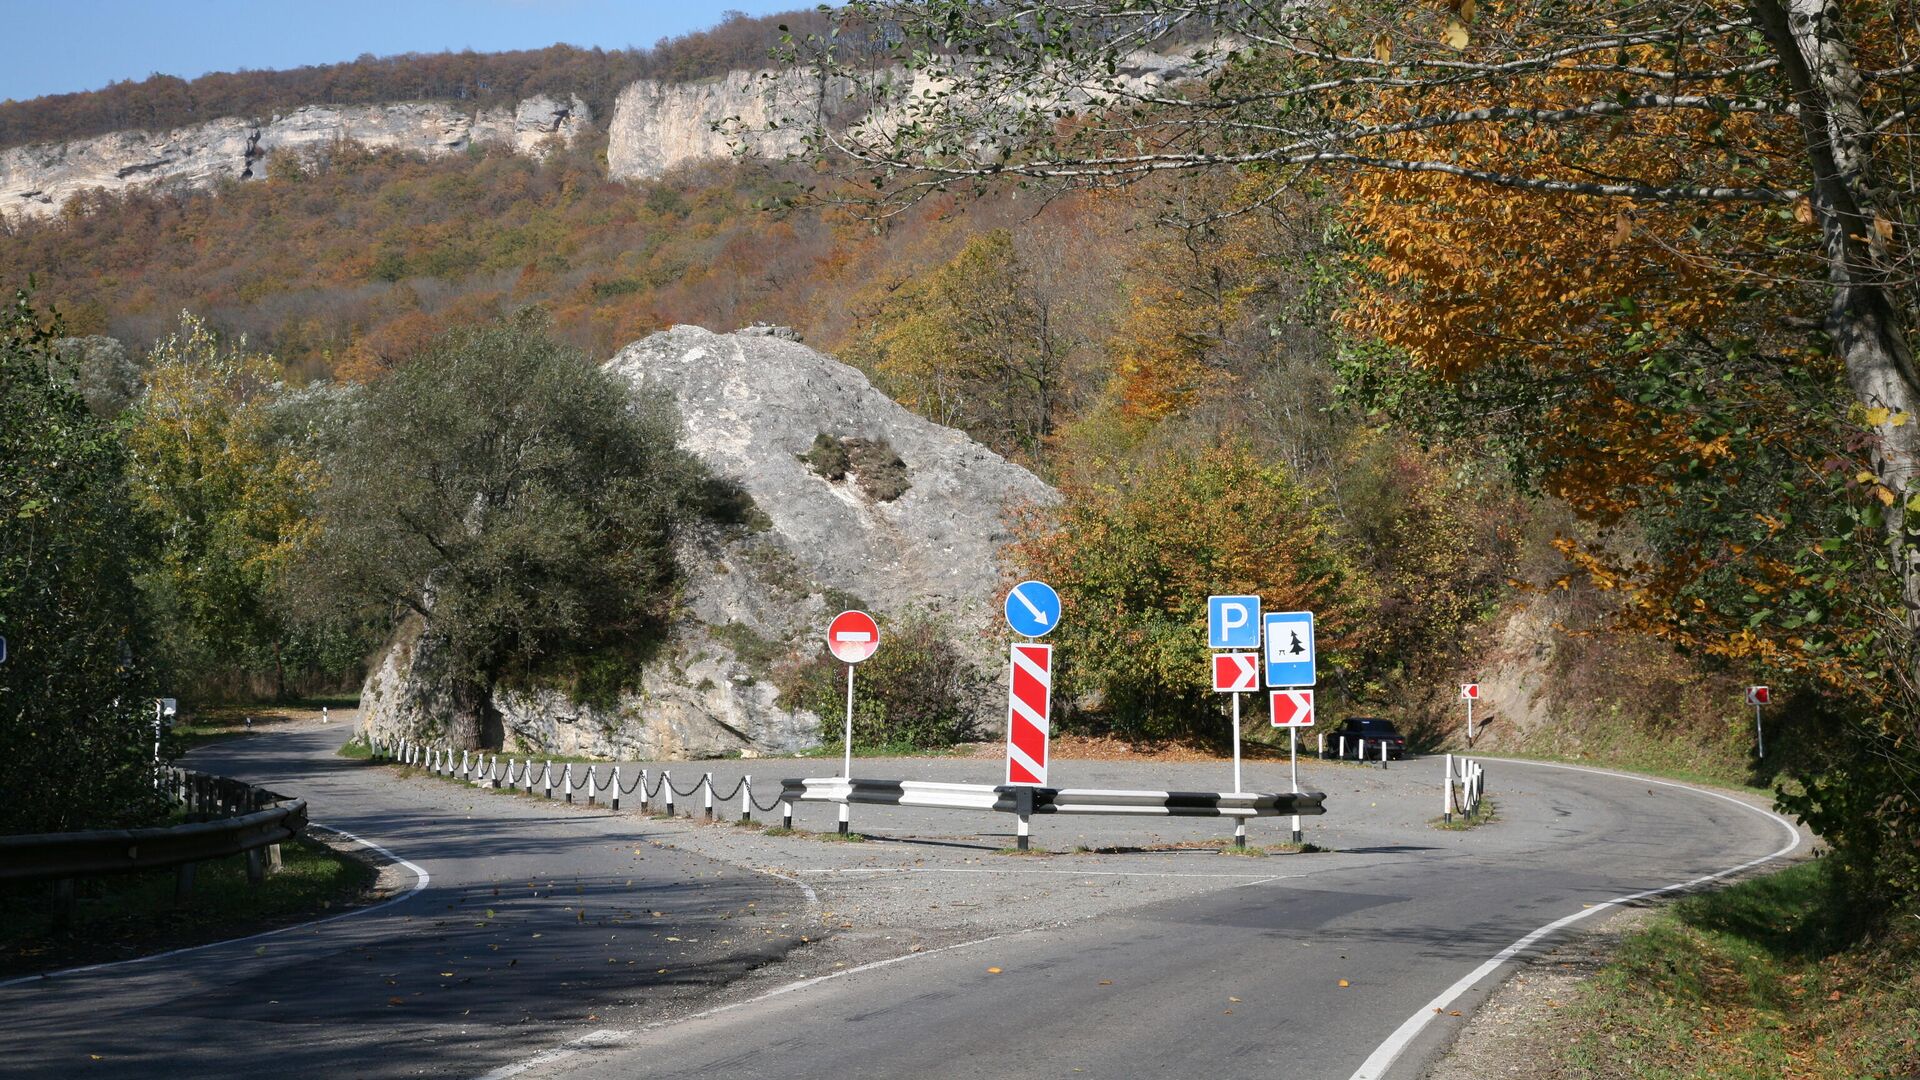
(484, 770)
(1472, 784)
(234, 818)
(1020, 800)
(1026, 801)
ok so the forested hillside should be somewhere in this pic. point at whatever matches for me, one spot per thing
(1183, 359)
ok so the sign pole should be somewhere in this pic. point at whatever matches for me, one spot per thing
(1236, 744)
(846, 768)
(1759, 733)
(1293, 763)
(1469, 721)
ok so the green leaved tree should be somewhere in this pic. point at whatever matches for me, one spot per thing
(519, 502)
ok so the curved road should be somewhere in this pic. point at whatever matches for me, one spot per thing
(539, 928)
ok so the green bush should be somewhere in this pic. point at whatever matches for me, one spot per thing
(917, 693)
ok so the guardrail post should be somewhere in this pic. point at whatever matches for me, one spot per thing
(183, 883)
(274, 862)
(786, 813)
(613, 782)
(1023, 805)
(746, 798)
(666, 788)
(256, 867)
(706, 794)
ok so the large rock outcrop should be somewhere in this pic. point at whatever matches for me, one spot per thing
(754, 406)
(38, 179)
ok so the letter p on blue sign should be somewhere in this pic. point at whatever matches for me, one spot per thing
(1233, 622)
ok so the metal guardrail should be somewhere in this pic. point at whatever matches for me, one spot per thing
(1025, 801)
(243, 823)
(1020, 800)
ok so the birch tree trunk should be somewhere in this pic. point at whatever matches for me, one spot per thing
(1863, 319)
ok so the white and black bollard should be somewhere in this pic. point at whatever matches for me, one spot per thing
(746, 799)
(546, 779)
(590, 786)
(1343, 748)
(666, 788)
(613, 785)
(706, 794)
(786, 814)
(1383, 753)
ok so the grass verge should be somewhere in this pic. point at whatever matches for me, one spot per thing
(130, 915)
(1462, 822)
(1757, 980)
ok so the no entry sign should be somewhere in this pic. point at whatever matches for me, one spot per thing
(1236, 672)
(853, 636)
(1291, 708)
(1029, 705)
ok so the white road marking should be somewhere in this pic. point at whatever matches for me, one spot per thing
(1382, 1058)
(420, 881)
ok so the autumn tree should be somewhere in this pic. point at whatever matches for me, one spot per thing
(1135, 561)
(972, 345)
(1613, 227)
(518, 501)
(229, 498)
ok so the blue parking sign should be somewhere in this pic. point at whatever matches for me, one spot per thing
(1233, 622)
(1290, 659)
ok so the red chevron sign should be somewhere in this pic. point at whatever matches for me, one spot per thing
(1234, 672)
(1029, 704)
(1291, 708)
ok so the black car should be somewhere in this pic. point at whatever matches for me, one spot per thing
(1366, 733)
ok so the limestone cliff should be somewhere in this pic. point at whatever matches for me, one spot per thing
(752, 404)
(38, 179)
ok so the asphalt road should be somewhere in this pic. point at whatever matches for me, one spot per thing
(536, 949)
(532, 925)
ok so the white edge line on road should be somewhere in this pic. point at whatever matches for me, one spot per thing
(420, 881)
(1383, 1057)
(620, 1037)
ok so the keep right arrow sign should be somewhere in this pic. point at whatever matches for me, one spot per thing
(1291, 708)
(1236, 672)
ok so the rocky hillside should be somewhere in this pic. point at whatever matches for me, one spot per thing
(912, 519)
(38, 179)
(656, 125)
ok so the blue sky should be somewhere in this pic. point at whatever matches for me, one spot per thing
(47, 47)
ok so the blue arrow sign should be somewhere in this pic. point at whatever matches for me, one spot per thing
(1033, 608)
(1290, 649)
(1233, 622)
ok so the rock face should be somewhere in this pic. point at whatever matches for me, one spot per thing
(37, 180)
(657, 126)
(753, 403)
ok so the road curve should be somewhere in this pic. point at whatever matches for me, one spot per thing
(1300, 976)
(536, 950)
(533, 924)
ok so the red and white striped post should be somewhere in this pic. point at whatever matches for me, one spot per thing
(1029, 713)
